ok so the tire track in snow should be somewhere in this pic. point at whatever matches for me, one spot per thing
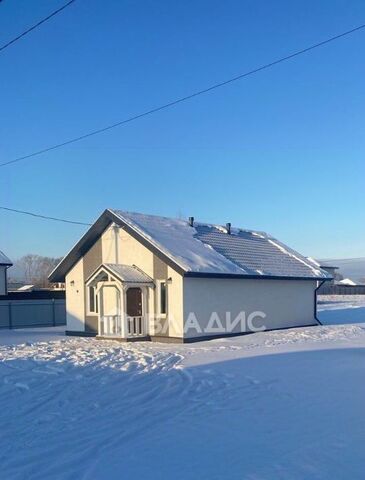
(83, 389)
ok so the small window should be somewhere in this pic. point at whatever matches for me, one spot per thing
(93, 300)
(163, 298)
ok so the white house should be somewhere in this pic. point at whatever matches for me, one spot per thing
(135, 276)
(5, 263)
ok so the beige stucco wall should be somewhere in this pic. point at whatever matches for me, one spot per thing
(286, 303)
(91, 261)
(130, 252)
(75, 298)
(108, 246)
(2, 280)
(175, 304)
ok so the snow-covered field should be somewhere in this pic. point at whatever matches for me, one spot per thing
(275, 405)
(331, 309)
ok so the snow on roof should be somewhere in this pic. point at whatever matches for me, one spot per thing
(347, 281)
(209, 249)
(25, 288)
(4, 260)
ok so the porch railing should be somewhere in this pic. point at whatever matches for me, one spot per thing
(123, 327)
(135, 326)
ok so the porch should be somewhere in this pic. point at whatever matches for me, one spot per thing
(121, 294)
(123, 328)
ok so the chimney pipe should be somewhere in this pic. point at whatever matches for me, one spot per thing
(228, 227)
(191, 221)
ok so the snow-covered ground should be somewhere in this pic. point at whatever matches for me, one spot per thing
(339, 309)
(271, 405)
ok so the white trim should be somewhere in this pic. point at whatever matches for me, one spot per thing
(158, 298)
(96, 273)
(89, 284)
(96, 301)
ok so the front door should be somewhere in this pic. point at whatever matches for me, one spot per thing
(134, 302)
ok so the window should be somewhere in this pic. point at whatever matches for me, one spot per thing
(92, 297)
(162, 298)
(93, 300)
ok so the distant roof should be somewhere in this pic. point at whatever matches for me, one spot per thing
(202, 250)
(25, 288)
(4, 260)
(347, 281)
(326, 264)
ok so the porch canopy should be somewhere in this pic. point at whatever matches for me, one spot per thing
(121, 294)
(122, 273)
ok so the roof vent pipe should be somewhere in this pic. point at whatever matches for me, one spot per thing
(191, 221)
(228, 227)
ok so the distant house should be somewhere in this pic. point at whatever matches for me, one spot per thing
(347, 281)
(135, 276)
(5, 263)
(329, 268)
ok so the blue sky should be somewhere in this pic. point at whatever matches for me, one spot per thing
(280, 151)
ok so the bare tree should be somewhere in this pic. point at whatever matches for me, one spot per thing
(37, 268)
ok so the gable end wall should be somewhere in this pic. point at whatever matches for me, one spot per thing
(130, 252)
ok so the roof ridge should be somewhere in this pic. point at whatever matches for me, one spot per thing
(196, 222)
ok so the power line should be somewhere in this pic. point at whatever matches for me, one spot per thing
(21, 35)
(44, 217)
(183, 99)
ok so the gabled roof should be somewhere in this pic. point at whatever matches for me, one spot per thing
(204, 250)
(4, 260)
(124, 273)
(129, 274)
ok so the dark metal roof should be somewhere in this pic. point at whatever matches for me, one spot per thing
(210, 250)
(4, 260)
(257, 253)
(202, 250)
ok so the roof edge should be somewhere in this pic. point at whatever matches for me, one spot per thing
(255, 277)
(108, 217)
(5, 262)
(59, 273)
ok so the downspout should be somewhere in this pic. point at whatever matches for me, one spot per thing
(315, 301)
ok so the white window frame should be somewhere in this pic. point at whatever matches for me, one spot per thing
(96, 300)
(89, 312)
(158, 293)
